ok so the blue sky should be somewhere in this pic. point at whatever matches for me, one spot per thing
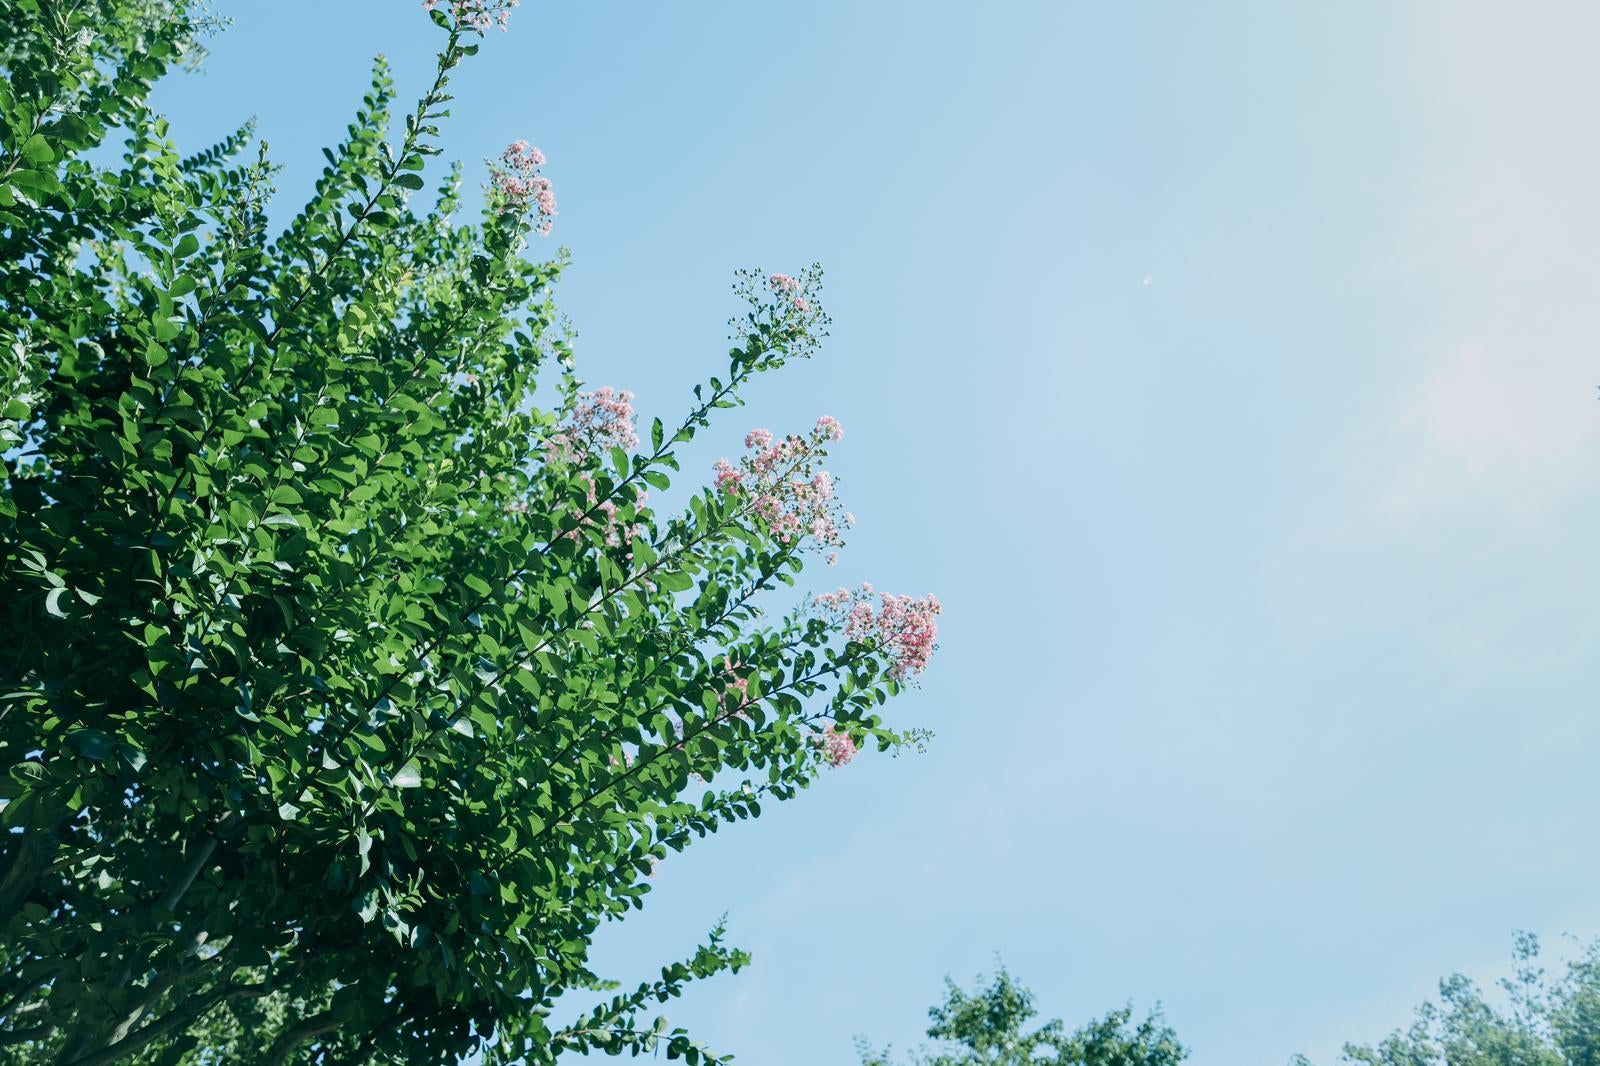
(1227, 371)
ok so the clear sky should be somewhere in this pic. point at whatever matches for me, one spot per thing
(1226, 368)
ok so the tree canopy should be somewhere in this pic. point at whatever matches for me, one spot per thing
(989, 1027)
(1538, 1022)
(350, 678)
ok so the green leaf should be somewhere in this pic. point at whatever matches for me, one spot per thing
(92, 744)
(37, 183)
(408, 776)
(72, 131)
(675, 581)
(37, 150)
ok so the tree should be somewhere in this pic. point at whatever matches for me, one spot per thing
(349, 680)
(986, 1028)
(1540, 1024)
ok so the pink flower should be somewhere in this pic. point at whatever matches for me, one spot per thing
(787, 491)
(786, 303)
(477, 15)
(905, 629)
(519, 185)
(520, 153)
(728, 479)
(602, 419)
(837, 747)
(738, 684)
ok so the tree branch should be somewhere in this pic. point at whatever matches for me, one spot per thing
(22, 1036)
(157, 988)
(297, 1034)
(31, 860)
(181, 1018)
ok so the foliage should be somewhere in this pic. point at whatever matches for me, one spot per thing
(349, 680)
(986, 1027)
(1541, 1024)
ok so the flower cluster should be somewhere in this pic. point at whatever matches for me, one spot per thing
(904, 628)
(837, 747)
(516, 178)
(601, 420)
(790, 289)
(783, 487)
(738, 684)
(605, 516)
(783, 308)
(477, 14)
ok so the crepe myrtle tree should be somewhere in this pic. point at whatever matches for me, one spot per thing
(349, 681)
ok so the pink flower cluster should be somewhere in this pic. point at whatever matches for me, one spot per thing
(785, 304)
(477, 14)
(904, 628)
(783, 486)
(522, 155)
(605, 516)
(738, 684)
(790, 289)
(837, 747)
(516, 178)
(602, 419)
